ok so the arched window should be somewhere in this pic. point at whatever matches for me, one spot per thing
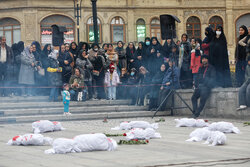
(193, 27)
(140, 30)
(117, 29)
(155, 28)
(242, 20)
(46, 30)
(11, 29)
(90, 30)
(215, 21)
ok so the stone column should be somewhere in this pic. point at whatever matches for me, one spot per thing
(180, 27)
(31, 27)
(130, 36)
(229, 28)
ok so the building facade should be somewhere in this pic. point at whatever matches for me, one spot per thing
(125, 20)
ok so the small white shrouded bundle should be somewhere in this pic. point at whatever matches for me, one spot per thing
(216, 138)
(46, 126)
(135, 124)
(30, 139)
(142, 134)
(225, 127)
(83, 143)
(190, 122)
(199, 134)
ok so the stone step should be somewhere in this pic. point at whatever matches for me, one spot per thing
(59, 110)
(18, 99)
(29, 104)
(83, 116)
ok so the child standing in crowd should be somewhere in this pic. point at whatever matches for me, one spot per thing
(111, 81)
(66, 99)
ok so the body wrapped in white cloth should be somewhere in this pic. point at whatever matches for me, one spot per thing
(46, 126)
(190, 122)
(225, 127)
(30, 139)
(135, 124)
(142, 134)
(82, 143)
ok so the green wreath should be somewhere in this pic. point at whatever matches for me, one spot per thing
(133, 142)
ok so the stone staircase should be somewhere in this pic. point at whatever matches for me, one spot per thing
(30, 109)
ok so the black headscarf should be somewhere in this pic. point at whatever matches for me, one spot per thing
(119, 48)
(209, 35)
(79, 48)
(246, 32)
(73, 51)
(20, 47)
(46, 52)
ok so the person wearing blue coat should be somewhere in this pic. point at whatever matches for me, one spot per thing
(170, 81)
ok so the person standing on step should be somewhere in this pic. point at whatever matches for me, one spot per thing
(244, 92)
(66, 99)
(203, 84)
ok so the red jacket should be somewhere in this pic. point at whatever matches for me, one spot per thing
(195, 62)
(205, 48)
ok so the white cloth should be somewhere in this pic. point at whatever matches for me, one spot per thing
(142, 134)
(199, 134)
(216, 138)
(3, 56)
(46, 126)
(82, 143)
(190, 122)
(225, 127)
(135, 124)
(30, 139)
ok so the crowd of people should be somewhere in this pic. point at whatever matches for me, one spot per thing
(108, 72)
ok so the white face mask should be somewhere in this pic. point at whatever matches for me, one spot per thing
(218, 32)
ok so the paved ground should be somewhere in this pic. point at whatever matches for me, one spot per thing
(171, 150)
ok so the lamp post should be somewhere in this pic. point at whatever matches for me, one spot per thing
(95, 20)
(78, 14)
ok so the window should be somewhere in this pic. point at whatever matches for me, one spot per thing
(117, 29)
(155, 28)
(11, 29)
(193, 27)
(140, 30)
(46, 30)
(90, 30)
(215, 21)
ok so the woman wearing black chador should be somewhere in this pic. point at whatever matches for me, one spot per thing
(218, 57)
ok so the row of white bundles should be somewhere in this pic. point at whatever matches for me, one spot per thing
(142, 134)
(46, 126)
(224, 127)
(135, 124)
(211, 137)
(30, 139)
(82, 143)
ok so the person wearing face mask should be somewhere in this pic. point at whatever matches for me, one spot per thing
(203, 84)
(195, 60)
(206, 42)
(240, 57)
(219, 59)
(146, 44)
(92, 52)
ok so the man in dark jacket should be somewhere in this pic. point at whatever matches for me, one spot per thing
(244, 92)
(203, 84)
(6, 60)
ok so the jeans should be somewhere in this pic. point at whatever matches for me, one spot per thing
(53, 94)
(202, 93)
(66, 107)
(112, 92)
(244, 94)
